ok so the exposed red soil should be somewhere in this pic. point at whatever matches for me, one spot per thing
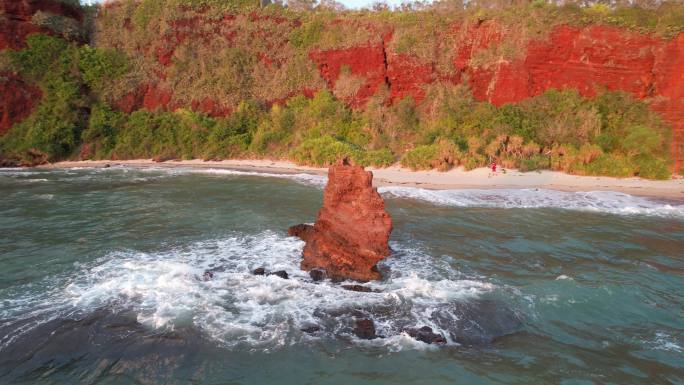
(17, 100)
(367, 62)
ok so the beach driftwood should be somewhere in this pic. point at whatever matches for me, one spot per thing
(352, 230)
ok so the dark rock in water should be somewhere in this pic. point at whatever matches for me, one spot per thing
(107, 165)
(358, 288)
(311, 329)
(478, 322)
(426, 335)
(281, 273)
(365, 329)
(49, 349)
(259, 271)
(302, 231)
(317, 274)
(208, 275)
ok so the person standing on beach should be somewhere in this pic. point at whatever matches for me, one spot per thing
(494, 166)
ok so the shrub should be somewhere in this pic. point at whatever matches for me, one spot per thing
(100, 66)
(473, 161)
(100, 134)
(534, 163)
(41, 57)
(652, 168)
(611, 165)
(442, 156)
(323, 152)
(308, 34)
(376, 158)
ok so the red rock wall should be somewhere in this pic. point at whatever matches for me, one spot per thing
(591, 59)
(17, 100)
(587, 59)
(366, 61)
(669, 89)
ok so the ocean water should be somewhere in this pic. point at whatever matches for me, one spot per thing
(102, 282)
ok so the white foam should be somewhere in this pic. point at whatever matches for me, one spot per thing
(309, 179)
(593, 201)
(166, 290)
(664, 341)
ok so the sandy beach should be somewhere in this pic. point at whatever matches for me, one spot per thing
(481, 178)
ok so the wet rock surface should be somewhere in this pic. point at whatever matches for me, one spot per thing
(473, 322)
(352, 230)
(477, 322)
(365, 329)
(425, 334)
(280, 273)
(359, 288)
(318, 275)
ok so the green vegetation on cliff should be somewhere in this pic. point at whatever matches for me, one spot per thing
(256, 64)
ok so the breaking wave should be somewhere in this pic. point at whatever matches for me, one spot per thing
(166, 290)
(592, 201)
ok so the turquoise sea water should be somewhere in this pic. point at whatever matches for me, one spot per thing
(102, 283)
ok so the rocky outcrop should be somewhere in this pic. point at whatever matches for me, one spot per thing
(352, 230)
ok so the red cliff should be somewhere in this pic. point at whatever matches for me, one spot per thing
(17, 100)
(352, 230)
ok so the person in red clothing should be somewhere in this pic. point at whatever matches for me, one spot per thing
(494, 166)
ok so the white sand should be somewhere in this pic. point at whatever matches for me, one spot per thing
(481, 178)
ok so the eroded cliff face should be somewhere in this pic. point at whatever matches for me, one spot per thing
(17, 100)
(17, 97)
(498, 64)
(352, 230)
(587, 59)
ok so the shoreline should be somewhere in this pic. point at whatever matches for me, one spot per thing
(480, 178)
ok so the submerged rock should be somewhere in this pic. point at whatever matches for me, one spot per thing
(352, 230)
(425, 334)
(365, 329)
(311, 329)
(477, 322)
(262, 271)
(281, 273)
(317, 274)
(359, 288)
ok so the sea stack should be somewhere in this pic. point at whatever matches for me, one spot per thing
(352, 230)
